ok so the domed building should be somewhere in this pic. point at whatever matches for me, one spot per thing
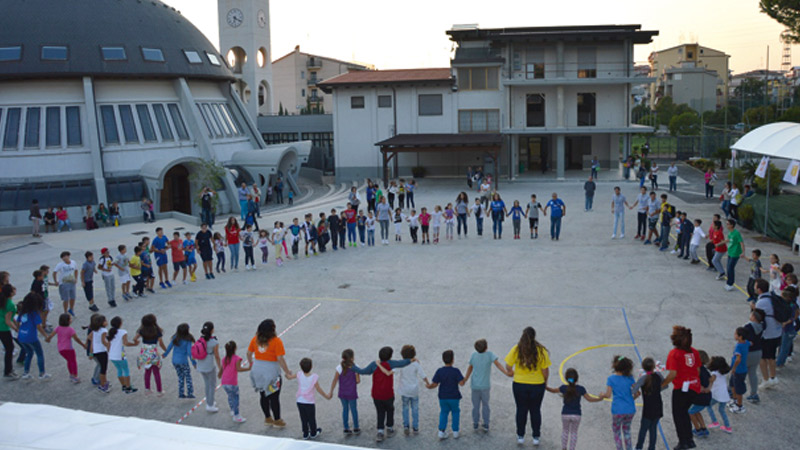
(109, 101)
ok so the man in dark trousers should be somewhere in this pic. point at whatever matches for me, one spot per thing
(333, 225)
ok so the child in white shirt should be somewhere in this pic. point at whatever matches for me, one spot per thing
(278, 234)
(697, 235)
(413, 225)
(371, 230)
(408, 387)
(436, 222)
(307, 382)
(263, 245)
(398, 219)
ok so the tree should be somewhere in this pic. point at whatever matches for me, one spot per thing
(753, 90)
(759, 115)
(207, 173)
(280, 109)
(665, 108)
(718, 117)
(685, 124)
(790, 115)
(785, 12)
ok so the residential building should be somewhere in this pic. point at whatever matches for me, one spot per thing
(296, 76)
(553, 97)
(314, 128)
(697, 87)
(689, 56)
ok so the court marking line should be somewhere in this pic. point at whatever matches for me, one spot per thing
(705, 261)
(593, 347)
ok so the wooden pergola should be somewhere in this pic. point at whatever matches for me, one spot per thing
(488, 143)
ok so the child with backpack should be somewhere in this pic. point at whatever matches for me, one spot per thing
(206, 352)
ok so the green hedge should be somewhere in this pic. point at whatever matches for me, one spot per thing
(784, 215)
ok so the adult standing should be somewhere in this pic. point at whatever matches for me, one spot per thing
(36, 217)
(371, 191)
(654, 176)
(265, 374)
(618, 204)
(354, 198)
(232, 237)
(754, 329)
(462, 212)
(771, 338)
(683, 371)
(588, 189)
(672, 173)
(7, 311)
(206, 199)
(279, 191)
(204, 246)
(384, 213)
(735, 251)
(726, 199)
(498, 211)
(641, 213)
(206, 365)
(470, 174)
(530, 363)
(558, 210)
(710, 179)
(257, 199)
(411, 186)
(242, 192)
(734, 206)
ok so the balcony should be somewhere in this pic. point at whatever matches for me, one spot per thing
(314, 63)
(315, 98)
(477, 55)
(312, 81)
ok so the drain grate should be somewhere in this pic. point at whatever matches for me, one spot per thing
(139, 233)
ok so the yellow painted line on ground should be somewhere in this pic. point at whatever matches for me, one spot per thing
(594, 347)
(673, 235)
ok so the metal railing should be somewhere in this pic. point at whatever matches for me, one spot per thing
(314, 63)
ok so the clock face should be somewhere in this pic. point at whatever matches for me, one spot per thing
(262, 18)
(235, 17)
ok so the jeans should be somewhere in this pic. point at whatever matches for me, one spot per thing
(787, 345)
(732, 269)
(709, 191)
(242, 208)
(447, 407)
(349, 407)
(385, 412)
(308, 418)
(569, 431)
(234, 248)
(362, 230)
(641, 224)
(248, 256)
(589, 202)
(621, 427)
(651, 427)
(479, 225)
(497, 223)
(108, 282)
(64, 223)
(210, 384)
(205, 217)
(713, 416)
(726, 208)
(517, 224)
(221, 260)
(654, 182)
(673, 183)
(411, 403)
(410, 200)
(384, 229)
(717, 262)
(619, 219)
(528, 399)
(664, 236)
(184, 377)
(279, 196)
(641, 182)
(462, 220)
(371, 237)
(480, 405)
(693, 252)
(681, 401)
(233, 397)
(555, 227)
(32, 348)
(351, 233)
(753, 368)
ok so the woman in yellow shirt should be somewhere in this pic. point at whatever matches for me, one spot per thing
(530, 363)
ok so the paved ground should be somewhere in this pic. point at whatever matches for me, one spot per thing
(583, 291)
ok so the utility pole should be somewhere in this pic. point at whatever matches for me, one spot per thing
(766, 88)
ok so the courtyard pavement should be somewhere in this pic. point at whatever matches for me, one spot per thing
(589, 298)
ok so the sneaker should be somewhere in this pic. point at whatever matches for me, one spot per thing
(169, 285)
(71, 312)
(356, 431)
(163, 286)
(131, 390)
(739, 409)
(442, 435)
(622, 236)
(520, 440)
(647, 242)
(104, 388)
(279, 423)
(211, 275)
(753, 398)
(728, 430)
(305, 436)
(95, 382)
(185, 282)
(729, 288)
(406, 431)
(455, 434)
(239, 419)
(535, 441)
(721, 276)
(379, 437)
(11, 377)
(316, 435)
(773, 382)
(475, 426)
(112, 304)
(211, 409)
(613, 236)
(269, 421)
(46, 376)
(347, 432)
(416, 431)
(93, 308)
(713, 425)
(485, 428)
(74, 380)
(764, 384)
(389, 432)
(151, 291)
(193, 278)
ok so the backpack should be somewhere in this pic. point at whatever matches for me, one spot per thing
(199, 349)
(781, 311)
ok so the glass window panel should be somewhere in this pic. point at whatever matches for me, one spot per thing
(163, 122)
(152, 54)
(357, 102)
(114, 53)
(464, 79)
(177, 120)
(235, 122)
(11, 53)
(430, 105)
(479, 120)
(206, 119)
(32, 122)
(491, 78)
(493, 120)
(53, 126)
(74, 126)
(221, 119)
(586, 110)
(587, 62)
(384, 101)
(535, 110)
(110, 131)
(228, 119)
(54, 53)
(128, 124)
(146, 122)
(11, 134)
(213, 59)
(212, 120)
(478, 78)
(464, 121)
(193, 57)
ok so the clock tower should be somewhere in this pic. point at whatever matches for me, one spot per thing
(244, 41)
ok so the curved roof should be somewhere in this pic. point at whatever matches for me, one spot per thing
(84, 26)
(776, 140)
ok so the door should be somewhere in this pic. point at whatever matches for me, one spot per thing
(175, 195)
(532, 153)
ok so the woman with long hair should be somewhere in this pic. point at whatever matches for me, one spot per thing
(530, 363)
(232, 238)
(265, 374)
(683, 371)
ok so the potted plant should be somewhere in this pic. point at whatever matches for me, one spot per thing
(418, 172)
(746, 215)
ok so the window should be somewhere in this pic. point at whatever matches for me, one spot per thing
(212, 58)
(215, 126)
(478, 120)
(54, 53)
(232, 119)
(152, 54)
(146, 122)
(206, 119)
(124, 189)
(73, 126)
(163, 122)
(357, 102)
(587, 62)
(477, 78)
(71, 193)
(193, 57)
(223, 112)
(114, 53)
(128, 124)
(11, 139)
(384, 101)
(32, 120)
(53, 126)
(302, 92)
(10, 53)
(221, 119)
(177, 120)
(279, 138)
(535, 110)
(110, 131)
(586, 110)
(302, 74)
(534, 64)
(430, 104)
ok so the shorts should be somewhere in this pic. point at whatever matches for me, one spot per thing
(425, 228)
(651, 223)
(179, 265)
(769, 348)
(66, 291)
(206, 255)
(534, 222)
(125, 278)
(739, 386)
(161, 260)
(122, 368)
(48, 304)
(191, 261)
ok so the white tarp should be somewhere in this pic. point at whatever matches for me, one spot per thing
(34, 426)
(778, 140)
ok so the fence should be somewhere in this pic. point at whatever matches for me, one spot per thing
(685, 147)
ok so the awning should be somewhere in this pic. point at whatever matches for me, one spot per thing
(441, 141)
(776, 140)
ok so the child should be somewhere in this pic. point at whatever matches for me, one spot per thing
(413, 225)
(775, 273)
(106, 266)
(263, 245)
(294, 235)
(291, 197)
(477, 211)
(719, 392)
(278, 235)
(409, 388)
(532, 211)
(481, 363)
(517, 212)
(87, 280)
(118, 340)
(571, 411)
(449, 221)
(147, 265)
(342, 230)
(650, 385)
(371, 229)
(150, 334)
(306, 227)
(307, 382)
(686, 234)
(182, 342)
(447, 378)
(247, 238)
(99, 340)
(65, 335)
(739, 369)
(229, 379)
(322, 233)
(382, 389)
(67, 270)
(178, 256)
(362, 226)
(425, 221)
(697, 235)
(622, 405)
(122, 262)
(436, 222)
(333, 226)
(39, 286)
(398, 219)
(159, 249)
(348, 390)
(28, 324)
(136, 272)
(702, 399)
(219, 249)
(350, 223)
(189, 248)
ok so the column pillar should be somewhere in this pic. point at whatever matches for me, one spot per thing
(560, 156)
(93, 139)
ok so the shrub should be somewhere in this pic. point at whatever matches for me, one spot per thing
(746, 213)
(775, 176)
(418, 172)
(722, 155)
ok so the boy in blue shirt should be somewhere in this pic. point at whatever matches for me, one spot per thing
(481, 364)
(447, 379)
(739, 370)
(188, 252)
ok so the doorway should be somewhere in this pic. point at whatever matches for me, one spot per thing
(533, 154)
(578, 152)
(176, 195)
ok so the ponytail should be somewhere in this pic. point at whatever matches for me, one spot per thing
(572, 388)
(648, 365)
(347, 360)
(116, 322)
(230, 349)
(206, 331)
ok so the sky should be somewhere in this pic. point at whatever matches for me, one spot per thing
(411, 34)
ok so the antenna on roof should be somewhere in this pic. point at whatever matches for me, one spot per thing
(465, 26)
